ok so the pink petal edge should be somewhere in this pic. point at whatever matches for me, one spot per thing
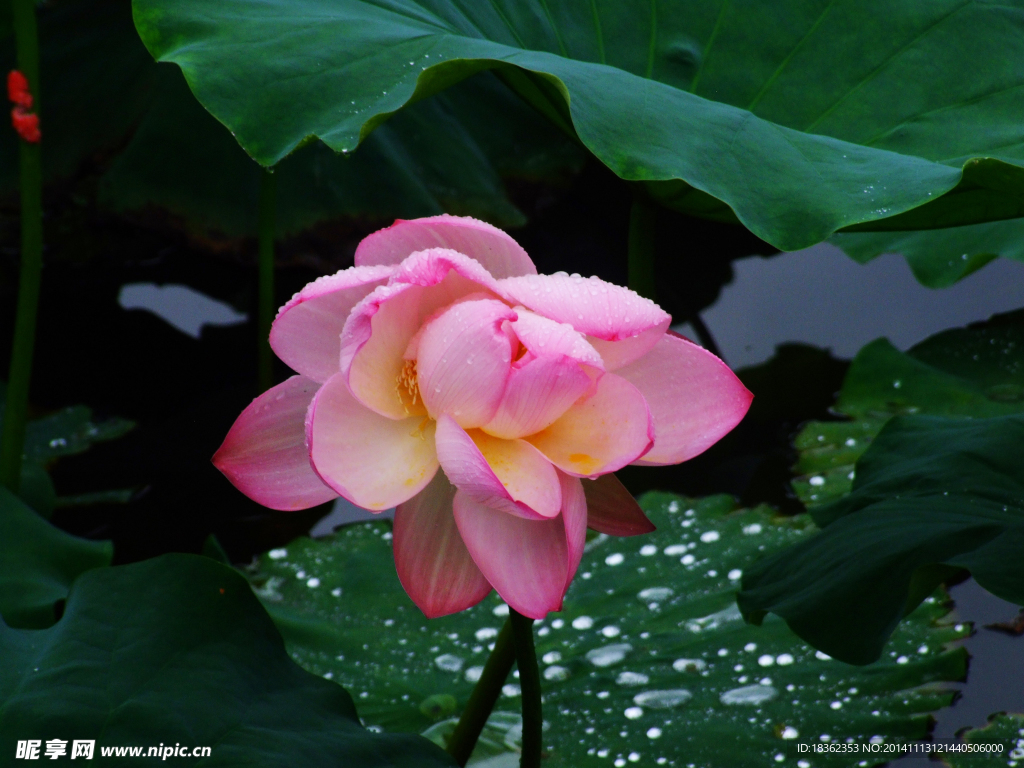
(574, 518)
(373, 461)
(529, 475)
(695, 399)
(432, 561)
(526, 561)
(545, 337)
(306, 333)
(600, 310)
(380, 327)
(536, 395)
(494, 249)
(600, 433)
(264, 453)
(463, 361)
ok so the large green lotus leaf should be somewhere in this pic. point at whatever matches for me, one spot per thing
(650, 655)
(998, 745)
(932, 495)
(38, 563)
(177, 650)
(105, 98)
(796, 118)
(939, 258)
(972, 371)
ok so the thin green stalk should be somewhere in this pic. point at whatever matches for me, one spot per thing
(12, 439)
(641, 248)
(484, 697)
(529, 683)
(267, 213)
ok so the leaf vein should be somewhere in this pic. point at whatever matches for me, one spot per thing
(654, 38)
(554, 28)
(867, 78)
(789, 57)
(707, 48)
(600, 31)
(943, 108)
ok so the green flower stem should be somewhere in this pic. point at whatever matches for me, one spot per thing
(12, 440)
(529, 682)
(484, 697)
(267, 213)
(641, 248)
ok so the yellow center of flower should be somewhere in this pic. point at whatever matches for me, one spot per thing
(408, 389)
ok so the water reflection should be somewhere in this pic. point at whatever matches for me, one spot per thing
(820, 296)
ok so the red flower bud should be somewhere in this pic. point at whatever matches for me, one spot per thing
(17, 89)
(26, 124)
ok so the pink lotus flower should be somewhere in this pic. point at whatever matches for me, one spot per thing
(443, 348)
